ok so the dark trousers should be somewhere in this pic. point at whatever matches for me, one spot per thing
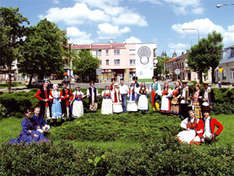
(42, 108)
(184, 110)
(124, 102)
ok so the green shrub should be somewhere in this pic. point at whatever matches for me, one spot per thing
(157, 157)
(3, 111)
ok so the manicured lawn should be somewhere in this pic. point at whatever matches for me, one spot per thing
(116, 132)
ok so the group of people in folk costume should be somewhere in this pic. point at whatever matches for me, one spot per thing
(199, 130)
(33, 128)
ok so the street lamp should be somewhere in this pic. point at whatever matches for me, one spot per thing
(193, 29)
(221, 5)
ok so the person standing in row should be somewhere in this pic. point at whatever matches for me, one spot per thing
(175, 104)
(155, 94)
(66, 97)
(166, 96)
(132, 106)
(143, 100)
(116, 98)
(43, 95)
(124, 93)
(184, 100)
(92, 94)
(56, 103)
(77, 104)
(208, 97)
(197, 101)
(137, 88)
(106, 101)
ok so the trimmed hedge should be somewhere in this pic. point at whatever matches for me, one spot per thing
(158, 157)
(3, 111)
(123, 127)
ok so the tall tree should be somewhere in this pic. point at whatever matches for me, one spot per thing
(85, 65)
(43, 50)
(12, 32)
(160, 67)
(206, 54)
(197, 58)
(215, 50)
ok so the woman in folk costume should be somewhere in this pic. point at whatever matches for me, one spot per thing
(92, 94)
(56, 103)
(106, 101)
(143, 100)
(132, 95)
(175, 106)
(66, 97)
(28, 134)
(77, 104)
(43, 95)
(196, 101)
(155, 94)
(116, 98)
(194, 129)
(166, 99)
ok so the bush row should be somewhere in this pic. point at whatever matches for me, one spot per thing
(134, 127)
(16, 103)
(160, 157)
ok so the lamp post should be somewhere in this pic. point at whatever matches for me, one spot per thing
(193, 29)
(221, 5)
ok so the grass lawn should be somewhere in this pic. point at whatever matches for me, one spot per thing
(116, 132)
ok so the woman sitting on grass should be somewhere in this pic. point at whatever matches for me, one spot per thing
(28, 134)
(194, 129)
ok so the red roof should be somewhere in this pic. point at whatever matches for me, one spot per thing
(174, 58)
(99, 46)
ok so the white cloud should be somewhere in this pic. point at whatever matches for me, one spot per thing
(95, 11)
(231, 28)
(130, 18)
(151, 1)
(205, 26)
(178, 47)
(132, 39)
(108, 31)
(100, 3)
(77, 14)
(198, 10)
(78, 37)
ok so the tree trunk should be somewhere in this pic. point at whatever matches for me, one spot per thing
(213, 75)
(200, 76)
(9, 80)
(30, 80)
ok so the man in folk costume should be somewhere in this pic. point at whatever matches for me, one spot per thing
(132, 106)
(137, 87)
(155, 94)
(66, 97)
(92, 94)
(210, 123)
(184, 99)
(124, 93)
(194, 129)
(43, 95)
(116, 98)
(208, 97)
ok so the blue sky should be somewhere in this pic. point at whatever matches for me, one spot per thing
(157, 21)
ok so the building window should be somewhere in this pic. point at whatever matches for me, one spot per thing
(100, 62)
(132, 61)
(107, 52)
(116, 52)
(232, 73)
(98, 52)
(107, 62)
(117, 61)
